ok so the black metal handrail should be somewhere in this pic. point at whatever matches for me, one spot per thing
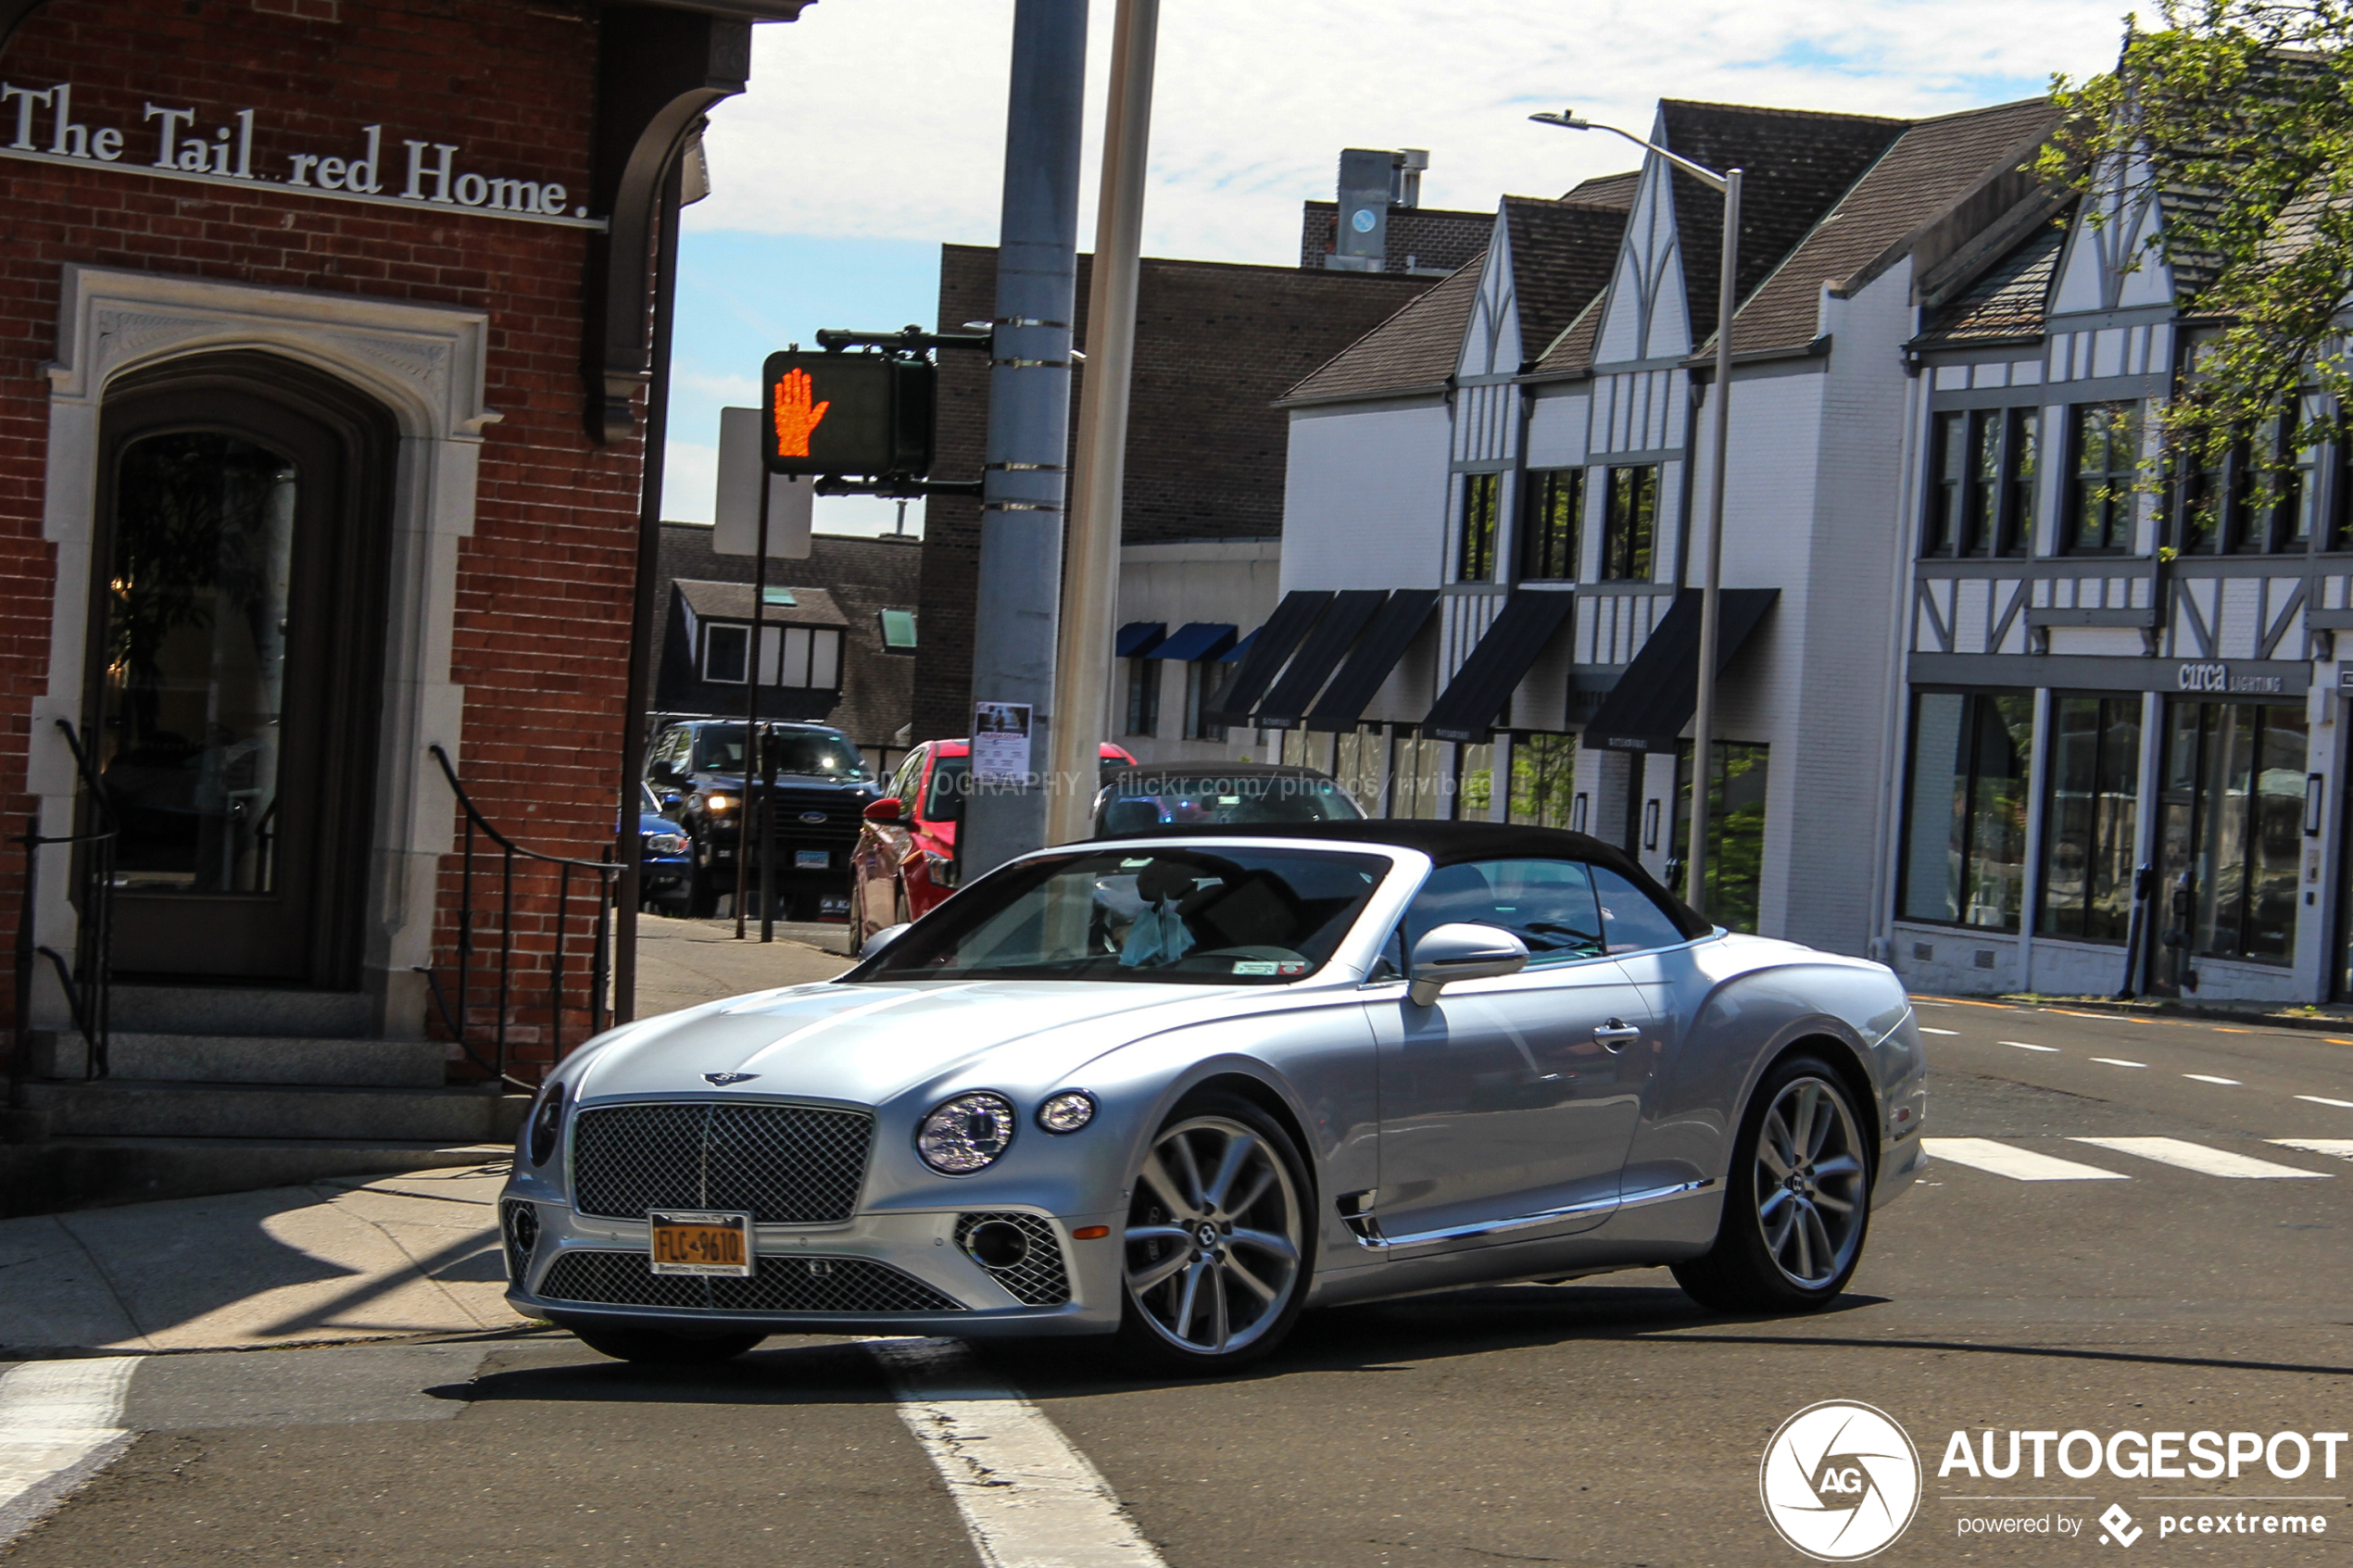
(606, 872)
(88, 980)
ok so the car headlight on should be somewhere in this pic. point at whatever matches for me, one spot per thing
(718, 802)
(666, 843)
(966, 1134)
(1067, 1112)
(546, 1124)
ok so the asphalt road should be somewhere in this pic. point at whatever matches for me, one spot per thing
(1603, 1422)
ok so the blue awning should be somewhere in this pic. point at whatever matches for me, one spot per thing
(1233, 655)
(1199, 639)
(1137, 637)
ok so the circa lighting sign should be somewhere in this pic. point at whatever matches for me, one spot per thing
(173, 142)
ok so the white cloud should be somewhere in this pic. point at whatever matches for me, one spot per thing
(885, 118)
(689, 480)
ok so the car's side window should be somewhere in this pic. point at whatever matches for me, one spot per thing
(904, 783)
(1549, 905)
(1630, 920)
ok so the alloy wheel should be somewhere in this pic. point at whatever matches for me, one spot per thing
(1810, 1197)
(1214, 1237)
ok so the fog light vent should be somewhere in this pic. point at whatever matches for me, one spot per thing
(519, 1223)
(1020, 1252)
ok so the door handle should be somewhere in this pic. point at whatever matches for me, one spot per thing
(1617, 1034)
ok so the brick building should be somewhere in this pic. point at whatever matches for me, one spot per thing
(322, 357)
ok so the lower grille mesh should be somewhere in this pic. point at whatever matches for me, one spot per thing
(778, 1284)
(1038, 1280)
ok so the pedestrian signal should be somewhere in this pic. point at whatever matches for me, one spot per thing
(859, 415)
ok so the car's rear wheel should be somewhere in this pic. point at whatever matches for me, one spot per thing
(663, 1347)
(1797, 1201)
(1218, 1240)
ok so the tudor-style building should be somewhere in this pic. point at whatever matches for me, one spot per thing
(1487, 533)
(2105, 674)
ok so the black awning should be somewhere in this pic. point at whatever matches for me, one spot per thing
(1334, 635)
(1195, 639)
(1653, 700)
(1275, 641)
(1137, 637)
(1467, 708)
(1384, 643)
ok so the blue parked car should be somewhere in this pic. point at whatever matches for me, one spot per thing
(665, 856)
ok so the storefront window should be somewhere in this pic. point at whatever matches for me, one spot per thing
(1474, 782)
(1544, 779)
(1356, 763)
(2229, 831)
(1965, 816)
(1736, 782)
(2090, 817)
(1418, 784)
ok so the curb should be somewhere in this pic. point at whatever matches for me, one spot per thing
(2184, 1011)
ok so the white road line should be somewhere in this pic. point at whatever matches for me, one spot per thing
(2341, 1148)
(1926, 1030)
(2210, 1078)
(2017, 1164)
(1030, 1498)
(2021, 1045)
(2117, 1061)
(2206, 1161)
(57, 1429)
(2323, 1099)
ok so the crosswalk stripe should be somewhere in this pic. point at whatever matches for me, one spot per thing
(2323, 1099)
(2117, 1061)
(1926, 1030)
(2206, 1162)
(2210, 1078)
(2017, 1164)
(2341, 1148)
(2021, 1045)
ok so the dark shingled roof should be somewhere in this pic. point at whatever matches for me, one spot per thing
(1932, 167)
(1414, 350)
(1562, 253)
(1607, 190)
(2009, 301)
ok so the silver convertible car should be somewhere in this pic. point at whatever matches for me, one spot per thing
(1178, 1087)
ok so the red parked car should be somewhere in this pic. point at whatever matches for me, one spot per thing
(904, 863)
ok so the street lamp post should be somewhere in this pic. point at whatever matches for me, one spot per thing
(1711, 590)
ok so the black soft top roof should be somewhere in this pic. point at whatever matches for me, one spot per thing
(1453, 843)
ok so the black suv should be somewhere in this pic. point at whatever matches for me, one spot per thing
(695, 770)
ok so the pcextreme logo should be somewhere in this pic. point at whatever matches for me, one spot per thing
(1840, 1481)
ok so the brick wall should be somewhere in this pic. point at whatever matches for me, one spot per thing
(541, 621)
(1217, 343)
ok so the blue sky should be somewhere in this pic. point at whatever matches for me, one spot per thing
(873, 131)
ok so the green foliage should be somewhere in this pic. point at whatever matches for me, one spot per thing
(2240, 114)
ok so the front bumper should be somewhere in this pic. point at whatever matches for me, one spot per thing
(926, 1283)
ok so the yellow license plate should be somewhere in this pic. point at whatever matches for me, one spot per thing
(700, 1244)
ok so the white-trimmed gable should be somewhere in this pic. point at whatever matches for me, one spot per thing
(1646, 316)
(2112, 261)
(1490, 343)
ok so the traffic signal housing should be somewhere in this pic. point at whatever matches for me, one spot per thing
(855, 415)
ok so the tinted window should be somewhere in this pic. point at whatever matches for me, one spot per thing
(1190, 915)
(721, 746)
(951, 780)
(1549, 905)
(1630, 919)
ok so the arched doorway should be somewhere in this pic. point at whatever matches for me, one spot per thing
(237, 635)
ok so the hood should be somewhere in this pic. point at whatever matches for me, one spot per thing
(869, 1044)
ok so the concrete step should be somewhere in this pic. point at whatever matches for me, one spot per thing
(130, 1108)
(82, 1172)
(248, 1059)
(230, 1010)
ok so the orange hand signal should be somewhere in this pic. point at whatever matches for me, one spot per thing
(795, 417)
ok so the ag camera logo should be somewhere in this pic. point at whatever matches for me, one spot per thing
(1840, 1481)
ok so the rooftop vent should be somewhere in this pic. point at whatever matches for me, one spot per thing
(1372, 182)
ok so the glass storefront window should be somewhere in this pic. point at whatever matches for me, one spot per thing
(1736, 779)
(1965, 808)
(1544, 779)
(1356, 759)
(2229, 832)
(2090, 817)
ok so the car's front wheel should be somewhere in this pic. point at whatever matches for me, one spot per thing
(1217, 1239)
(1797, 1201)
(661, 1346)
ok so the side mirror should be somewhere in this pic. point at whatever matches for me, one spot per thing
(886, 809)
(882, 939)
(1463, 951)
(670, 799)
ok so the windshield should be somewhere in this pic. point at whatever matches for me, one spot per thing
(720, 748)
(1171, 799)
(1223, 917)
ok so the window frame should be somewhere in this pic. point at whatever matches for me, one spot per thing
(1143, 697)
(2116, 510)
(1551, 514)
(1971, 774)
(741, 635)
(1622, 551)
(1475, 552)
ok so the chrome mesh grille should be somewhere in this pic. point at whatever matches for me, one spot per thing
(519, 1231)
(783, 1164)
(778, 1285)
(1038, 1280)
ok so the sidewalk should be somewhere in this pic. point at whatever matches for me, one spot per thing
(355, 1257)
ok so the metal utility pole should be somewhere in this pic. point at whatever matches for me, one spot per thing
(1023, 484)
(1082, 671)
(1711, 590)
(751, 708)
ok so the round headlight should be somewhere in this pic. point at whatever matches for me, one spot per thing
(1067, 1112)
(547, 1124)
(966, 1134)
